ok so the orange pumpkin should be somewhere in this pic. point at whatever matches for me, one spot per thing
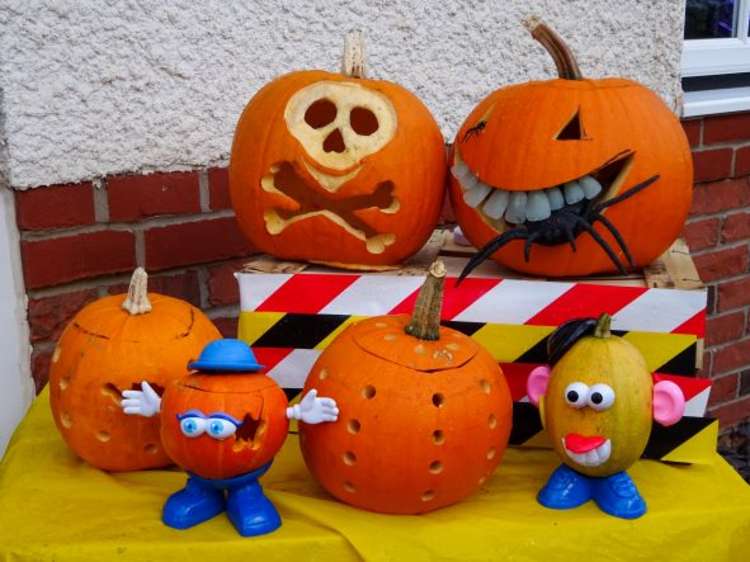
(571, 176)
(112, 345)
(337, 168)
(425, 412)
(253, 399)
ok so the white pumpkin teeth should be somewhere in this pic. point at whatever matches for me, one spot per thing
(537, 206)
(475, 195)
(573, 192)
(555, 197)
(516, 213)
(592, 458)
(496, 204)
(591, 187)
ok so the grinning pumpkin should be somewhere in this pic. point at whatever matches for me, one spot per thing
(253, 399)
(112, 345)
(571, 176)
(425, 411)
(337, 168)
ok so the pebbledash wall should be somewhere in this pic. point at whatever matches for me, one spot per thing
(117, 121)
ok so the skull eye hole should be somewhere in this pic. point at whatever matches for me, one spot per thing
(320, 113)
(573, 129)
(363, 121)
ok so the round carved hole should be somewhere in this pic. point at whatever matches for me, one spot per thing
(438, 437)
(491, 454)
(369, 392)
(353, 426)
(151, 448)
(428, 495)
(349, 458)
(103, 436)
(320, 113)
(438, 400)
(349, 487)
(64, 382)
(436, 467)
(486, 386)
(66, 420)
(492, 421)
(363, 121)
(323, 374)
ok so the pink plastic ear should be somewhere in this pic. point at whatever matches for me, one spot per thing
(669, 403)
(536, 384)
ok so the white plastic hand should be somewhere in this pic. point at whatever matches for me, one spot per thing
(144, 402)
(314, 410)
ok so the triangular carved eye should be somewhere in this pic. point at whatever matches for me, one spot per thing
(573, 129)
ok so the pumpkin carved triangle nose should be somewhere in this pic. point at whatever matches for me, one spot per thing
(334, 142)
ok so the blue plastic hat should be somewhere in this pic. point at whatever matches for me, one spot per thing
(226, 355)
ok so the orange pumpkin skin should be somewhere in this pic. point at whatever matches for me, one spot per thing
(387, 230)
(105, 350)
(422, 424)
(252, 398)
(518, 150)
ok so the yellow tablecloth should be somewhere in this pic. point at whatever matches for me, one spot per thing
(55, 507)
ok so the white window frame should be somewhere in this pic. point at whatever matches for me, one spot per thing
(706, 57)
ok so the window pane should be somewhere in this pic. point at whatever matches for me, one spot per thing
(707, 19)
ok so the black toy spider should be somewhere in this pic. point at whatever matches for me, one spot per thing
(563, 226)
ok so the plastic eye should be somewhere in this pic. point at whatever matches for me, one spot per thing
(192, 426)
(220, 429)
(576, 394)
(601, 396)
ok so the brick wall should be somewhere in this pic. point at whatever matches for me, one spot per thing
(718, 233)
(82, 241)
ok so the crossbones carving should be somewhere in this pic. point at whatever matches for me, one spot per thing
(285, 180)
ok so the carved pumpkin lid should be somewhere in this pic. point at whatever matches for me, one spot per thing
(227, 383)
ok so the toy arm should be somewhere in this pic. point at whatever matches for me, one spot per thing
(144, 402)
(313, 409)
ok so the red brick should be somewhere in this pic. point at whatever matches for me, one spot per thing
(185, 286)
(710, 165)
(55, 206)
(736, 227)
(692, 129)
(194, 242)
(218, 189)
(732, 413)
(731, 357)
(723, 389)
(722, 263)
(222, 286)
(721, 196)
(725, 328)
(701, 234)
(135, 197)
(742, 162)
(734, 294)
(48, 316)
(227, 326)
(725, 128)
(59, 260)
(40, 361)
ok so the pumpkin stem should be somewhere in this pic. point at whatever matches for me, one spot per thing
(353, 64)
(137, 300)
(565, 61)
(425, 320)
(601, 330)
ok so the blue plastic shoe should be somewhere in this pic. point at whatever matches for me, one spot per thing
(250, 511)
(618, 496)
(195, 503)
(565, 489)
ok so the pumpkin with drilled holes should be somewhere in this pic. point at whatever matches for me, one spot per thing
(571, 176)
(336, 168)
(425, 411)
(112, 345)
(253, 399)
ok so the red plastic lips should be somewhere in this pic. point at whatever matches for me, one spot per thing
(581, 444)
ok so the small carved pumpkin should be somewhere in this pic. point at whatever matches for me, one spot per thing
(337, 168)
(571, 176)
(256, 432)
(112, 345)
(425, 411)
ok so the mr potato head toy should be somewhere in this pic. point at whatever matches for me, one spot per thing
(597, 400)
(223, 423)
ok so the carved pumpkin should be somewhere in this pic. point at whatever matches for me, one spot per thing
(425, 411)
(337, 168)
(252, 399)
(570, 176)
(112, 345)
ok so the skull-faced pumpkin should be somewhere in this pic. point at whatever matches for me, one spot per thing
(336, 168)
(571, 176)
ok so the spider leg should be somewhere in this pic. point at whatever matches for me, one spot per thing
(570, 237)
(490, 248)
(527, 245)
(616, 233)
(627, 194)
(603, 243)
